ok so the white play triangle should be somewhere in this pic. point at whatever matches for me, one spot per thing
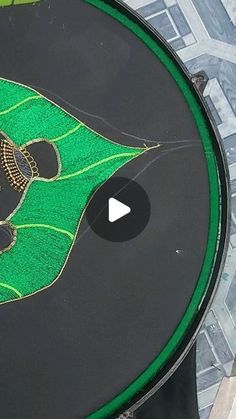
(117, 210)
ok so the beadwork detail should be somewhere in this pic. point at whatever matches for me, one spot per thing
(18, 164)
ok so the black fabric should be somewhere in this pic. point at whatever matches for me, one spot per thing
(177, 399)
(70, 349)
(6, 236)
(45, 156)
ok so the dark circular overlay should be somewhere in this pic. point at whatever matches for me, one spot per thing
(127, 192)
(123, 313)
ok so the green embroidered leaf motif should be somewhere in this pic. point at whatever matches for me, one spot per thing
(14, 2)
(49, 213)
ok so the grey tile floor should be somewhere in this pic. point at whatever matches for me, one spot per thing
(203, 32)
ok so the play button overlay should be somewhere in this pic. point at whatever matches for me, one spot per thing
(119, 210)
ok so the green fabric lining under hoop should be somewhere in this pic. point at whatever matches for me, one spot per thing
(214, 222)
